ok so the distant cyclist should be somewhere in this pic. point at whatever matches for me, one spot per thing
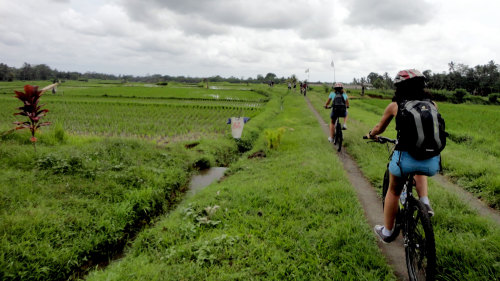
(410, 86)
(340, 103)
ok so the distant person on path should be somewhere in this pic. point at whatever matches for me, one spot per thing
(289, 86)
(340, 103)
(409, 88)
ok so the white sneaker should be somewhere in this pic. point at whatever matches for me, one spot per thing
(385, 239)
(330, 139)
(344, 127)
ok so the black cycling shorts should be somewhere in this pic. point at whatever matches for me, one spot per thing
(334, 116)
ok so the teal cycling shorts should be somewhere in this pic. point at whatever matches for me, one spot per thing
(403, 162)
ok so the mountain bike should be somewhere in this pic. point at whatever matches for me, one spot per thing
(414, 222)
(337, 140)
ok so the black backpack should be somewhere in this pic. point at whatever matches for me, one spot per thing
(421, 129)
(338, 104)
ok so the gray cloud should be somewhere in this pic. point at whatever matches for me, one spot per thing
(389, 14)
(11, 38)
(210, 17)
(241, 13)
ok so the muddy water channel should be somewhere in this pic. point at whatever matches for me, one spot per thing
(205, 178)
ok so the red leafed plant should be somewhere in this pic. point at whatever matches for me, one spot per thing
(31, 109)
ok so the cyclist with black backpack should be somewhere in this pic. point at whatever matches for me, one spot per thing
(421, 137)
(340, 103)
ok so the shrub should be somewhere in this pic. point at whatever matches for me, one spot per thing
(326, 88)
(475, 99)
(440, 95)
(493, 98)
(459, 95)
(60, 134)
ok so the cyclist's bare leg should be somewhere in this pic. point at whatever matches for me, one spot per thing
(421, 185)
(391, 202)
(345, 119)
(332, 128)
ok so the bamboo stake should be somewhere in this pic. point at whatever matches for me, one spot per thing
(50, 87)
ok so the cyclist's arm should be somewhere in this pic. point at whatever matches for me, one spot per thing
(328, 102)
(390, 111)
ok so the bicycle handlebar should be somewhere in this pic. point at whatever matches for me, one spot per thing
(381, 139)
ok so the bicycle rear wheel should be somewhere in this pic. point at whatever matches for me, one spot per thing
(338, 135)
(385, 185)
(420, 246)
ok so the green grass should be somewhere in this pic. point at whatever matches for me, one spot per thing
(70, 203)
(289, 216)
(468, 245)
(81, 197)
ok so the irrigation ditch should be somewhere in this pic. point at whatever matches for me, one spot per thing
(101, 260)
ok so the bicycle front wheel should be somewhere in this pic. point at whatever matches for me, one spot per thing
(420, 246)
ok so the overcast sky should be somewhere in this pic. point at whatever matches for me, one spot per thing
(244, 38)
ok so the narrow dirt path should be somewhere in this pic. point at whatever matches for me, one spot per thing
(372, 205)
(476, 204)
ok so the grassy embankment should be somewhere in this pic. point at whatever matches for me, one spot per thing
(79, 199)
(291, 215)
(468, 245)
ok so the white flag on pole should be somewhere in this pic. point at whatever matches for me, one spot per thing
(307, 70)
(333, 65)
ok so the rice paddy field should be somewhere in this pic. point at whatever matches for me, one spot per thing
(145, 111)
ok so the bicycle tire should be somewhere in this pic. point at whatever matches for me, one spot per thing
(420, 247)
(338, 135)
(385, 185)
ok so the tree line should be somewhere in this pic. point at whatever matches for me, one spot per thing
(30, 72)
(481, 80)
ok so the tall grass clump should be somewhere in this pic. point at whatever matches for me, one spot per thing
(273, 137)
